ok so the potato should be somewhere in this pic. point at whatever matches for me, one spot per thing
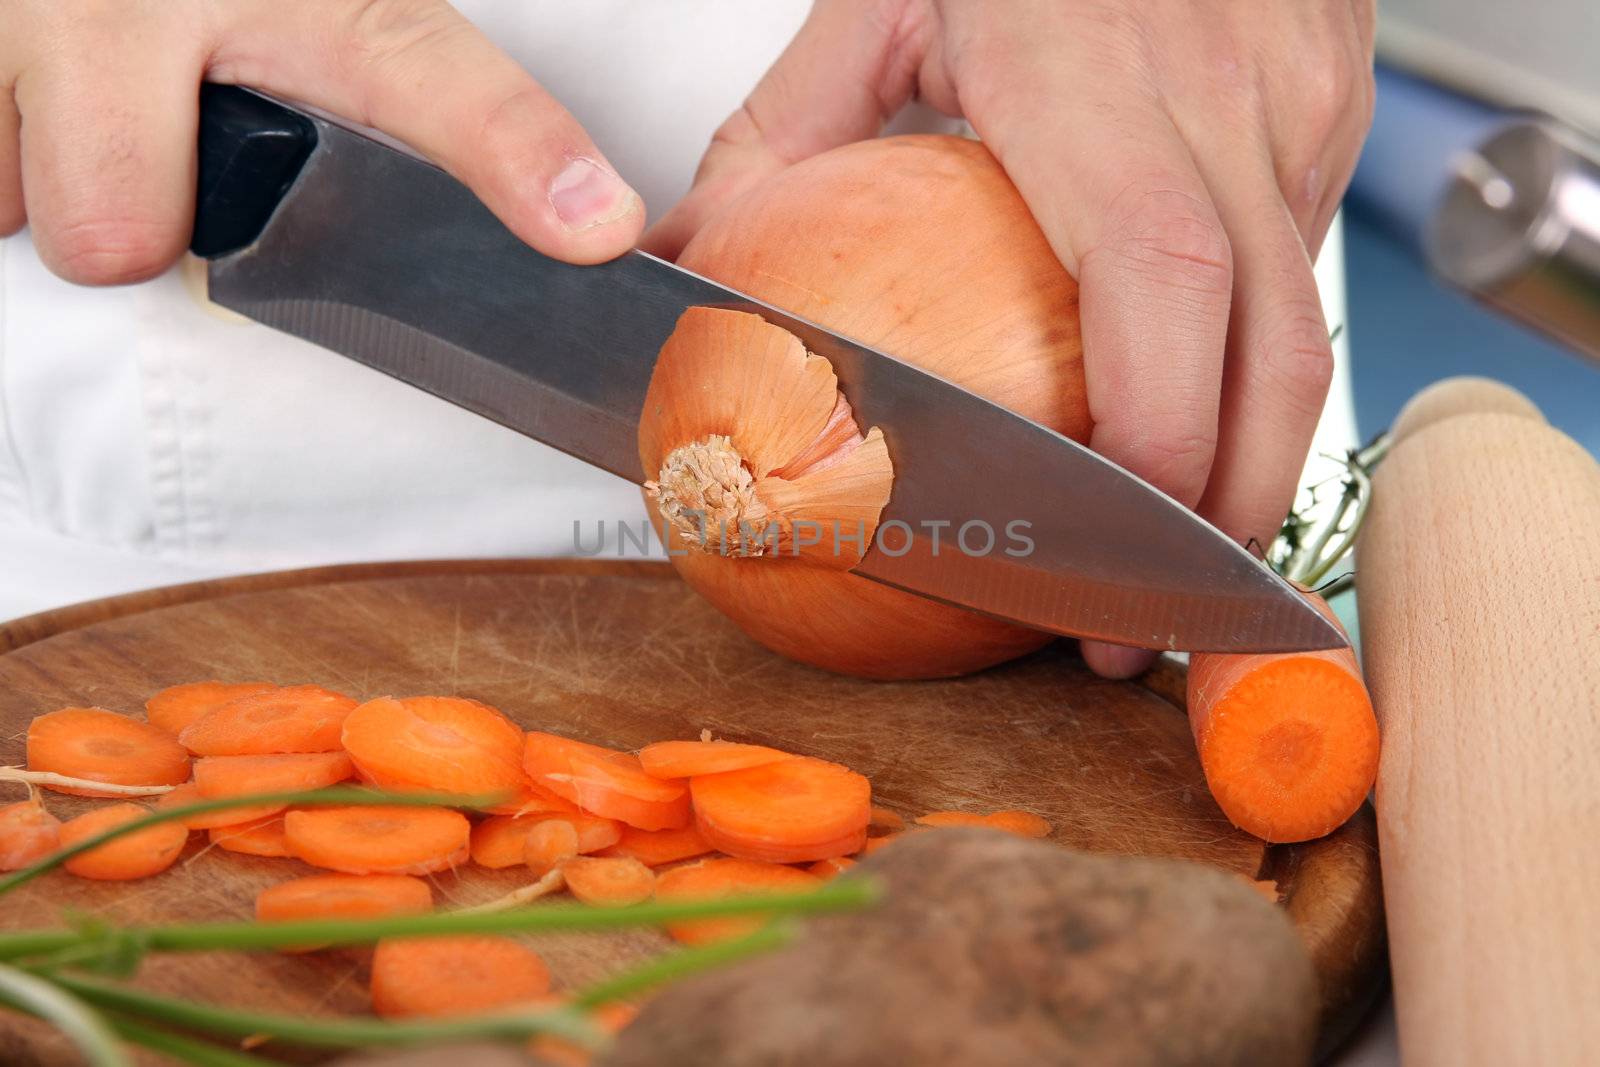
(991, 949)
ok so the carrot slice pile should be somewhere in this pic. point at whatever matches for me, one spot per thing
(176, 707)
(685, 759)
(445, 976)
(442, 744)
(794, 811)
(261, 837)
(716, 878)
(189, 793)
(609, 882)
(654, 848)
(873, 844)
(234, 776)
(102, 746)
(379, 839)
(534, 800)
(301, 718)
(554, 1051)
(884, 821)
(502, 840)
(605, 782)
(28, 833)
(136, 855)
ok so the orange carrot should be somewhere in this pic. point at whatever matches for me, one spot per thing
(262, 837)
(532, 799)
(1288, 742)
(189, 793)
(28, 833)
(441, 744)
(234, 776)
(873, 844)
(608, 881)
(175, 708)
(102, 746)
(379, 839)
(549, 844)
(445, 976)
(685, 759)
(884, 821)
(136, 855)
(830, 868)
(559, 1052)
(301, 718)
(502, 840)
(1020, 823)
(344, 896)
(606, 782)
(716, 878)
(794, 811)
(656, 847)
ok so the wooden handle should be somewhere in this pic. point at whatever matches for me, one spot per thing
(1479, 579)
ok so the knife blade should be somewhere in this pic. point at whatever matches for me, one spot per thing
(336, 234)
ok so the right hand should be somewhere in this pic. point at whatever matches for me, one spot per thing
(99, 100)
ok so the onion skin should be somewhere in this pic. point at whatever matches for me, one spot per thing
(919, 246)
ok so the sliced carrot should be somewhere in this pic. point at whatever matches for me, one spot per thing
(28, 833)
(884, 821)
(301, 718)
(136, 855)
(685, 759)
(534, 799)
(608, 881)
(235, 776)
(344, 896)
(444, 976)
(1020, 823)
(262, 837)
(717, 878)
(103, 746)
(1288, 742)
(873, 844)
(793, 811)
(174, 708)
(559, 1052)
(502, 840)
(442, 744)
(379, 839)
(830, 868)
(656, 847)
(189, 793)
(606, 782)
(1265, 886)
(549, 844)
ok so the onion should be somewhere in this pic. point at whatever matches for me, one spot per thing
(919, 246)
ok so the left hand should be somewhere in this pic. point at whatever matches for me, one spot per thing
(1183, 157)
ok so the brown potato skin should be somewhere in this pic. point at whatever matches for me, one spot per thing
(993, 950)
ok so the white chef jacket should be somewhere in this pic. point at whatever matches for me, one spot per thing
(145, 439)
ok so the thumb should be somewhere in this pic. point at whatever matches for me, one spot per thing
(421, 72)
(842, 77)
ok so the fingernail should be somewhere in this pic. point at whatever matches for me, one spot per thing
(586, 195)
(1116, 661)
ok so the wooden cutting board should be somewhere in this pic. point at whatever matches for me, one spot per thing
(622, 654)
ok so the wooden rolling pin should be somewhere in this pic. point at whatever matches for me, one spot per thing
(1479, 579)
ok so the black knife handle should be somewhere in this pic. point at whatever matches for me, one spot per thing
(251, 151)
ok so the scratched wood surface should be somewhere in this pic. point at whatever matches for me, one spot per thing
(622, 654)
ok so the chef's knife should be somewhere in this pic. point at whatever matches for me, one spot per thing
(339, 235)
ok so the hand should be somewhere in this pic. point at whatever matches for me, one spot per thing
(1183, 158)
(98, 106)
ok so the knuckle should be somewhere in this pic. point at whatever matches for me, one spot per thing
(389, 34)
(1298, 358)
(1177, 458)
(1167, 230)
(110, 251)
